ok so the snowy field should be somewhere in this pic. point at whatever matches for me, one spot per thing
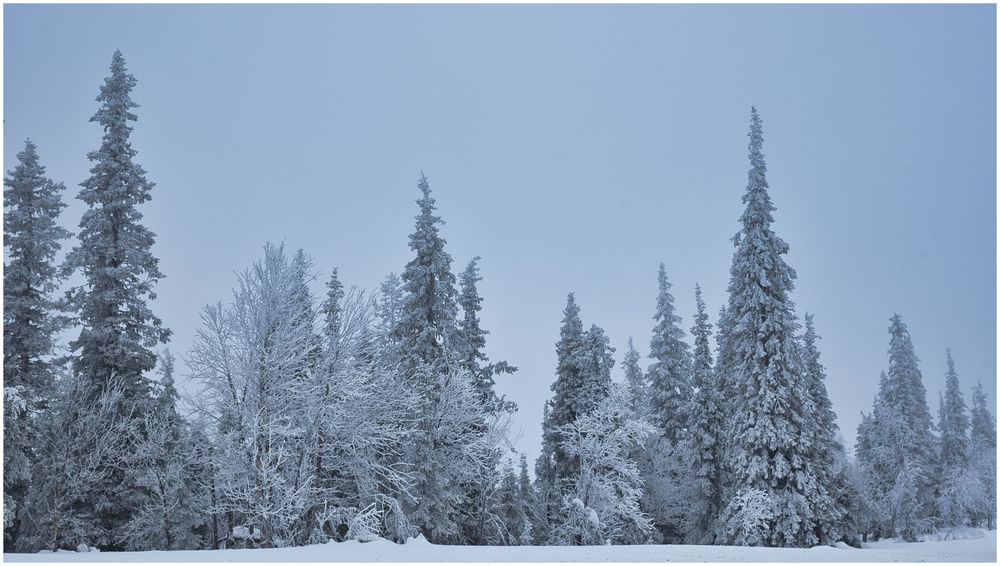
(983, 549)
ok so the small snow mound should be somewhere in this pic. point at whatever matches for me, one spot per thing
(82, 548)
(842, 544)
(418, 540)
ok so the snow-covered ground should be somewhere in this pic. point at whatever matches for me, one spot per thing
(983, 549)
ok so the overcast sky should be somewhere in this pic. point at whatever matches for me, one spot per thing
(572, 147)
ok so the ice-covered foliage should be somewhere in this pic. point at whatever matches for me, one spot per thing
(474, 359)
(166, 467)
(602, 500)
(635, 381)
(583, 377)
(983, 456)
(895, 447)
(114, 253)
(459, 433)
(451, 449)
(307, 429)
(82, 445)
(954, 422)
(904, 389)
(670, 489)
(429, 312)
(32, 237)
(824, 447)
(118, 330)
(704, 435)
(748, 518)
(770, 410)
(668, 374)
(252, 361)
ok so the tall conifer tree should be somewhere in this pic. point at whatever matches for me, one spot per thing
(983, 455)
(635, 381)
(668, 374)
(770, 418)
(428, 314)
(954, 422)
(119, 330)
(32, 204)
(827, 452)
(705, 429)
(903, 390)
(565, 405)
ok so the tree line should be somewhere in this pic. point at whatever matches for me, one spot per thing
(362, 414)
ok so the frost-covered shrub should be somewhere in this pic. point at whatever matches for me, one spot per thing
(746, 519)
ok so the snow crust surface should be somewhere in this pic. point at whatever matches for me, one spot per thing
(981, 549)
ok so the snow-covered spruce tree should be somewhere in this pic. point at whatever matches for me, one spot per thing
(601, 503)
(389, 306)
(827, 502)
(704, 434)
(635, 381)
(669, 373)
(583, 378)
(664, 461)
(954, 424)
(960, 490)
(903, 391)
(476, 523)
(114, 255)
(882, 454)
(474, 359)
(333, 320)
(769, 425)
(597, 362)
(567, 403)
(528, 501)
(724, 368)
(452, 448)
(509, 509)
(173, 517)
(32, 204)
(428, 315)
(248, 358)
(983, 457)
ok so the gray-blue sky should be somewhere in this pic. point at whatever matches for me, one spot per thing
(572, 147)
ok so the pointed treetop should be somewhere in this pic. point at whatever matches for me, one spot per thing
(114, 96)
(759, 207)
(701, 330)
(168, 394)
(983, 430)
(701, 316)
(30, 152)
(810, 335)
(426, 202)
(467, 281)
(331, 309)
(571, 314)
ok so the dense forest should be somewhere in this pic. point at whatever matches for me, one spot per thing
(361, 414)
